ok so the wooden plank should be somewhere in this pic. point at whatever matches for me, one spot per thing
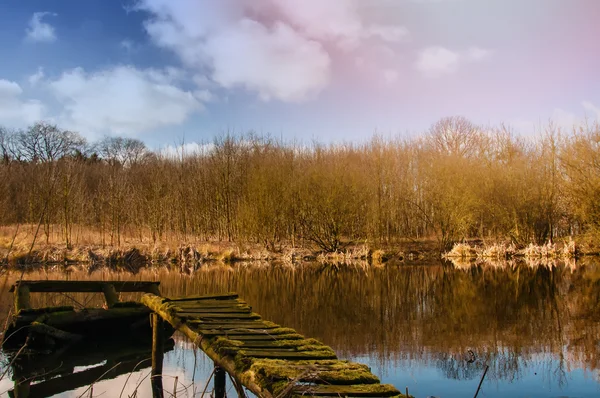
(209, 303)
(225, 322)
(219, 328)
(335, 372)
(292, 355)
(225, 304)
(272, 343)
(215, 310)
(253, 334)
(21, 297)
(360, 390)
(225, 296)
(217, 316)
(63, 286)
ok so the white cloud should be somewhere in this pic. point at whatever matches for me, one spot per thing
(39, 30)
(187, 149)
(36, 77)
(14, 111)
(276, 63)
(277, 48)
(437, 61)
(122, 100)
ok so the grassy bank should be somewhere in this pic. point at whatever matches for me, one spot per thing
(18, 248)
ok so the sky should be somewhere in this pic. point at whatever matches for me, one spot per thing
(173, 71)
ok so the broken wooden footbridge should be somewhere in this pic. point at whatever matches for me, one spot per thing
(267, 359)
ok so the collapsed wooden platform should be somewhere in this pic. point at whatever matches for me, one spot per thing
(52, 327)
(267, 359)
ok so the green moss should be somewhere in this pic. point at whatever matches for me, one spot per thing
(281, 330)
(327, 371)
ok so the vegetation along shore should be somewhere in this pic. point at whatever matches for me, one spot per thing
(254, 197)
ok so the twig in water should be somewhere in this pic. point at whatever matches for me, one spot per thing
(207, 383)
(14, 358)
(481, 381)
(130, 373)
(99, 378)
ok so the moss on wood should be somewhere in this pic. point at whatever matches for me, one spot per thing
(328, 372)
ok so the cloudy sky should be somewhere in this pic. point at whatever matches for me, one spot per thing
(333, 70)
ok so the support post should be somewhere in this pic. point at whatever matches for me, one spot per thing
(110, 294)
(219, 382)
(157, 355)
(21, 295)
(154, 290)
(21, 388)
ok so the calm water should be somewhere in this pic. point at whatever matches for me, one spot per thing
(535, 326)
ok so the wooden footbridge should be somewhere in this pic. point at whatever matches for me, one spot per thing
(267, 359)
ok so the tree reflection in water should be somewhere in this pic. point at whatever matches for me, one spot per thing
(514, 317)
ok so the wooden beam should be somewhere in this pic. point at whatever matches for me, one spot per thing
(219, 382)
(21, 295)
(110, 294)
(63, 286)
(157, 356)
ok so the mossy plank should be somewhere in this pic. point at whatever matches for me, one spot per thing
(292, 355)
(209, 303)
(213, 307)
(222, 310)
(225, 296)
(221, 330)
(231, 324)
(232, 350)
(217, 317)
(299, 344)
(357, 390)
(252, 335)
(319, 372)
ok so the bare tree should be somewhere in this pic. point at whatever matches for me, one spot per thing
(124, 151)
(455, 136)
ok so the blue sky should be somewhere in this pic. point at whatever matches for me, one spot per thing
(166, 71)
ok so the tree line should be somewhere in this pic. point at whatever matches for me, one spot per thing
(456, 181)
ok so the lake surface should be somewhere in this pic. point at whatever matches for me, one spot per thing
(430, 327)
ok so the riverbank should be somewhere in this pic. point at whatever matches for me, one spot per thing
(16, 250)
(135, 252)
